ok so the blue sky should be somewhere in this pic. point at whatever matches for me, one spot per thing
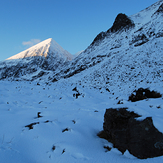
(72, 23)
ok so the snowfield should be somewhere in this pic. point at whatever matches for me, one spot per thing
(66, 128)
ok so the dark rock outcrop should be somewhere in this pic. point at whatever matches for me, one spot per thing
(40, 74)
(77, 94)
(30, 126)
(142, 94)
(139, 40)
(99, 37)
(140, 138)
(122, 21)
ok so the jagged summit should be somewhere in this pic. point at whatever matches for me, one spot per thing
(121, 21)
(45, 48)
(135, 21)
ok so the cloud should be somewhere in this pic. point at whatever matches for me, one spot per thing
(31, 42)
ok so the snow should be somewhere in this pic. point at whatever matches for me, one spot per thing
(145, 15)
(78, 53)
(81, 118)
(67, 130)
(44, 48)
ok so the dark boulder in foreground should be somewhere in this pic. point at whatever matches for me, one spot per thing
(140, 138)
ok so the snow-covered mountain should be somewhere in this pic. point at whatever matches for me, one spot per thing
(46, 48)
(35, 61)
(128, 53)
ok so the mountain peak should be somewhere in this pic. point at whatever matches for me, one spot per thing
(48, 47)
(121, 21)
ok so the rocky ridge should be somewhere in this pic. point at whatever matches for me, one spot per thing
(135, 41)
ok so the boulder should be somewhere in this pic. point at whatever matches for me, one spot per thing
(142, 94)
(140, 138)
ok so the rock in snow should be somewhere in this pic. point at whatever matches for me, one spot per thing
(140, 138)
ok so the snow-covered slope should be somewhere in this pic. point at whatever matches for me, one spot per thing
(129, 53)
(66, 128)
(44, 48)
(78, 53)
(145, 15)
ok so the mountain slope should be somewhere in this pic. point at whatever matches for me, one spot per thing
(130, 54)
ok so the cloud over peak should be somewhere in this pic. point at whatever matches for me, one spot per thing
(31, 42)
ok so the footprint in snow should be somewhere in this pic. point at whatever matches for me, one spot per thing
(80, 156)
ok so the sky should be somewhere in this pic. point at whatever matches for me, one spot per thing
(71, 23)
